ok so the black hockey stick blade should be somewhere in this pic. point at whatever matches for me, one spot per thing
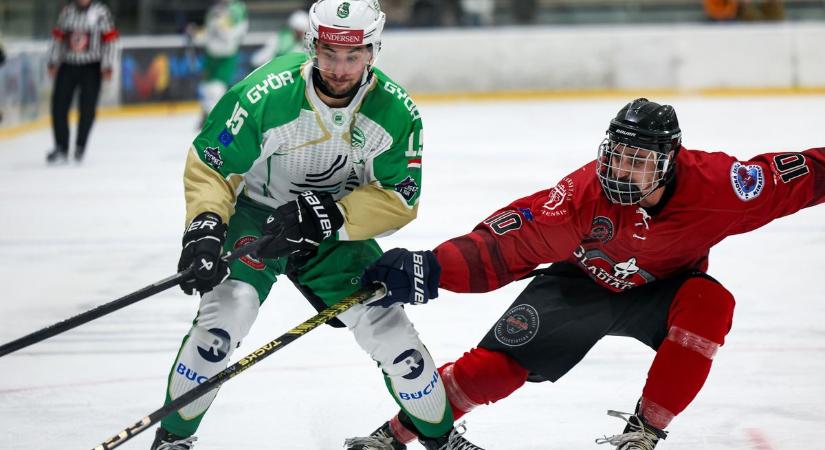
(244, 363)
(120, 303)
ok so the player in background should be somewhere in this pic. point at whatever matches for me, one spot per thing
(289, 39)
(2, 61)
(81, 55)
(225, 27)
(628, 236)
(323, 151)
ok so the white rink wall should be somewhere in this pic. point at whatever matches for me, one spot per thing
(678, 58)
(626, 57)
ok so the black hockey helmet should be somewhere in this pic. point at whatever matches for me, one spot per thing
(653, 130)
(645, 124)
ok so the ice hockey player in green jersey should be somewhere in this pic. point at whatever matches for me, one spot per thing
(323, 151)
(289, 39)
(225, 26)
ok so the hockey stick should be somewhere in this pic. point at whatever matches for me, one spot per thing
(122, 302)
(244, 363)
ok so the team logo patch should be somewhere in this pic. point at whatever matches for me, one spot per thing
(413, 360)
(249, 260)
(616, 276)
(517, 326)
(558, 198)
(601, 229)
(338, 118)
(226, 138)
(407, 188)
(213, 157)
(625, 269)
(343, 10)
(358, 139)
(747, 181)
(219, 347)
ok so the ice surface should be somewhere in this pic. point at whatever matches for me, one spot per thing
(74, 237)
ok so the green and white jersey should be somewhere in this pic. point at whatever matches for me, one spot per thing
(226, 25)
(271, 137)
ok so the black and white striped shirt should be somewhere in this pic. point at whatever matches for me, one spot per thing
(83, 36)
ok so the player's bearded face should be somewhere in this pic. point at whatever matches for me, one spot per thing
(342, 67)
(628, 174)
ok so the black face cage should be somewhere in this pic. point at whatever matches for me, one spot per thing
(629, 174)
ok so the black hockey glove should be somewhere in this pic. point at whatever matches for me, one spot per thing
(300, 225)
(202, 248)
(410, 277)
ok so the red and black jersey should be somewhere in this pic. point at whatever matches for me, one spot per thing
(713, 196)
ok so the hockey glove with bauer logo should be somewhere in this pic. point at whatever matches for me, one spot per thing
(300, 225)
(410, 277)
(202, 248)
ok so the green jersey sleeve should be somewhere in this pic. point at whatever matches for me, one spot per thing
(397, 168)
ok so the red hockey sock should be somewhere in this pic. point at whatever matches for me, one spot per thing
(479, 377)
(700, 317)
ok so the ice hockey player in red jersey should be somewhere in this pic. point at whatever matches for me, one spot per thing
(628, 235)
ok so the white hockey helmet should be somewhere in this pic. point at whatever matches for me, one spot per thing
(299, 20)
(345, 22)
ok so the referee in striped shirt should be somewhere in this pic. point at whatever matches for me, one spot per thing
(81, 55)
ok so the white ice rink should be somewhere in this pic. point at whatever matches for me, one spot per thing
(75, 237)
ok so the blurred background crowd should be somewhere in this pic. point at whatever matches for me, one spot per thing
(34, 18)
(176, 52)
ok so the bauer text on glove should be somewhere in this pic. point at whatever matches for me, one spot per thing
(202, 249)
(301, 225)
(410, 277)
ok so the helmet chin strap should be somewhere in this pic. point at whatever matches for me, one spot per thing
(322, 86)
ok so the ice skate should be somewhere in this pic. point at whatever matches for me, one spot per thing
(454, 440)
(637, 434)
(380, 439)
(165, 440)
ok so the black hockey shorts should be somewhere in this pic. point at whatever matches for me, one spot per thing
(562, 313)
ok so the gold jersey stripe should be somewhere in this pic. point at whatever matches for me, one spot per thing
(206, 190)
(371, 211)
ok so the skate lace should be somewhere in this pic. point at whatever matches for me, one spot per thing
(638, 438)
(377, 441)
(457, 442)
(183, 444)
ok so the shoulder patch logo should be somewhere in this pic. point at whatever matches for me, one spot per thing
(559, 196)
(748, 181)
(407, 188)
(213, 157)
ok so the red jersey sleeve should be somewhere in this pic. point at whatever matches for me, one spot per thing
(541, 228)
(774, 185)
